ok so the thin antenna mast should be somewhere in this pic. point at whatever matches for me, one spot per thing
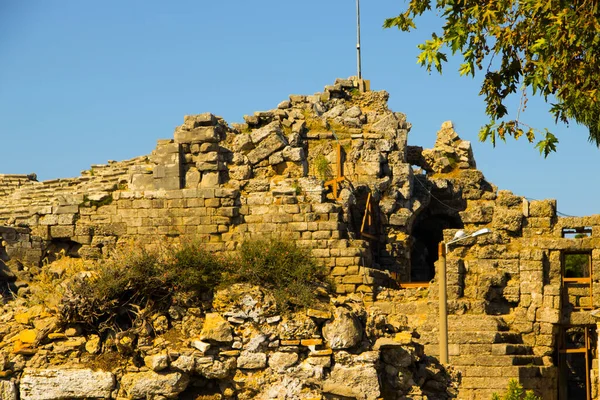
(358, 38)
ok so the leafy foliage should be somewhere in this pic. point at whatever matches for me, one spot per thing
(322, 167)
(287, 270)
(515, 392)
(551, 48)
(576, 265)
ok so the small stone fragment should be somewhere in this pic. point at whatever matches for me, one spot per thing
(216, 329)
(157, 362)
(249, 360)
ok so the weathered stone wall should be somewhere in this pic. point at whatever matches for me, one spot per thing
(11, 182)
(507, 298)
(221, 184)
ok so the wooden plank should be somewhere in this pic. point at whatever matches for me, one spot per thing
(339, 172)
(571, 351)
(587, 365)
(364, 221)
(332, 181)
(413, 285)
(578, 280)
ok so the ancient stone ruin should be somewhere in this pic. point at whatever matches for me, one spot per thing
(332, 172)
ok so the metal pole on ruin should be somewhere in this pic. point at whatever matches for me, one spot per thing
(443, 304)
(443, 297)
(358, 39)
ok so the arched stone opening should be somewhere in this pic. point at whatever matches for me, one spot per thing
(427, 233)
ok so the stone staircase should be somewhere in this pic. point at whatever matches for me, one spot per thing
(488, 355)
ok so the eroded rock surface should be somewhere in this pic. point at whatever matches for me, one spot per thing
(59, 384)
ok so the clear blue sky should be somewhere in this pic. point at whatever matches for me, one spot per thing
(83, 82)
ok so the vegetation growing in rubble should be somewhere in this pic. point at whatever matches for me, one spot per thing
(515, 391)
(289, 271)
(322, 167)
(134, 284)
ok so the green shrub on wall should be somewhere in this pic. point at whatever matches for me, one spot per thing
(135, 283)
(290, 272)
(515, 391)
(322, 168)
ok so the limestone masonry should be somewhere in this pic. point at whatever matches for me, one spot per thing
(334, 173)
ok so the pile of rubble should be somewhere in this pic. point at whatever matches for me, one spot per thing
(235, 346)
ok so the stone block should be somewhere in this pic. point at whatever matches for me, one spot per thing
(216, 329)
(281, 361)
(210, 179)
(320, 234)
(211, 157)
(157, 362)
(150, 384)
(549, 315)
(243, 143)
(249, 360)
(66, 219)
(298, 226)
(50, 219)
(214, 202)
(338, 271)
(72, 209)
(208, 166)
(543, 223)
(8, 390)
(53, 384)
(544, 340)
(295, 154)
(158, 171)
(368, 169)
(197, 135)
(507, 219)
(240, 172)
(267, 147)
(276, 158)
(359, 382)
(258, 135)
(297, 98)
(193, 121)
(354, 279)
(478, 214)
(227, 211)
(344, 261)
(62, 231)
(542, 208)
(168, 183)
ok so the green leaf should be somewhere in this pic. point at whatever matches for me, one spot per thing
(548, 144)
(550, 49)
(530, 135)
(466, 68)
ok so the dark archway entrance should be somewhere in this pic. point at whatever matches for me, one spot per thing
(427, 233)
